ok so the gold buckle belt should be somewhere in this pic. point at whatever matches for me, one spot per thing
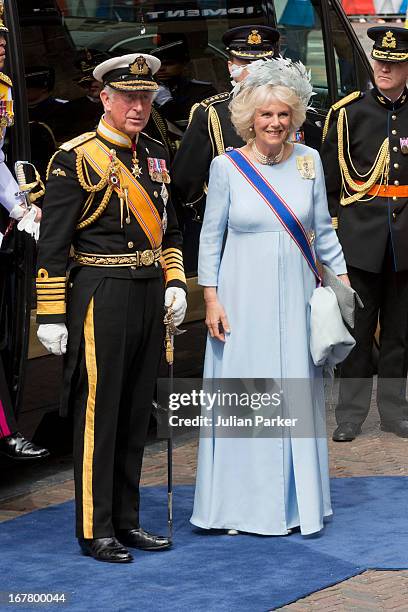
(137, 259)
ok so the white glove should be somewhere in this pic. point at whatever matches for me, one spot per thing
(18, 211)
(29, 224)
(163, 95)
(27, 218)
(54, 337)
(176, 298)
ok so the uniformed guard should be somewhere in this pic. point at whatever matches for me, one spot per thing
(210, 131)
(12, 443)
(108, 195)
(366, 164)
(177, 93)
(81, 114)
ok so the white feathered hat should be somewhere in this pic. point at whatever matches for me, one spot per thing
(278, 71)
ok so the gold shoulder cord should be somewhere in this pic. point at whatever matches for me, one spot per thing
(161, 125)
(192, 111)
(216, 129)
(355, 95)
(210, 135)
(326, 125)
(92, 190)
(377, 173)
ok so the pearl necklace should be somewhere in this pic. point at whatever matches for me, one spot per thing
(268, 160)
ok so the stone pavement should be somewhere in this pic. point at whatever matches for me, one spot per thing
(373, 453)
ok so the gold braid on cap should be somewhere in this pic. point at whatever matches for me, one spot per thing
(130, 85)
(378, 173)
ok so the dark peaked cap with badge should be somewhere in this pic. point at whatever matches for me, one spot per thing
(132, 72)
(3, 28)
(86, 61)
(251, 42)
(390, 44)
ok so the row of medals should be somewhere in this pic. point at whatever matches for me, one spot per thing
(158, 177)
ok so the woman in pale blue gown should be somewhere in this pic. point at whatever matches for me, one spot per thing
(257, 288)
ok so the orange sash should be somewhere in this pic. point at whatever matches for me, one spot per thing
(98, 156)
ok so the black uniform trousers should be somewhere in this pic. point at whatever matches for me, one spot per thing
(113, 387)
(8, 423)
(385, 298)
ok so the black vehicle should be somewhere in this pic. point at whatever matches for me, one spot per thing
(46, 34)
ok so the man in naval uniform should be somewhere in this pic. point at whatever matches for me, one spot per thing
(83, 114)
(107, 196)
(12, 443)
(211, 133)
(365, 156)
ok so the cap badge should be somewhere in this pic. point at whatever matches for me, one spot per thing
(139, 66)
(389, 41)
(254, 38)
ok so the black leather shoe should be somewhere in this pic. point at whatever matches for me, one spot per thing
(19, 448)
(105, 549)
(399, 428)
(138, 538)
(346, 432)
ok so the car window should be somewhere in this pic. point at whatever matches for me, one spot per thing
(54, 31)
(118, 28)
(299, 23)
(351, 72)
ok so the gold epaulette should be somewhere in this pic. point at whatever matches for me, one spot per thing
(5, 79)
(355, 95)
(150, 138)
(77, 141)
(221, 97)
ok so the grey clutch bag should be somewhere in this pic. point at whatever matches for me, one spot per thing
(347, 298)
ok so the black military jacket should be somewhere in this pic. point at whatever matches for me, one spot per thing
(185, 93)
(209, 134)
(63, 205)
(75, 117)
(367, 229)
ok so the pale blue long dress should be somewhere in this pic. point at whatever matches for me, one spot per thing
(264, 485)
